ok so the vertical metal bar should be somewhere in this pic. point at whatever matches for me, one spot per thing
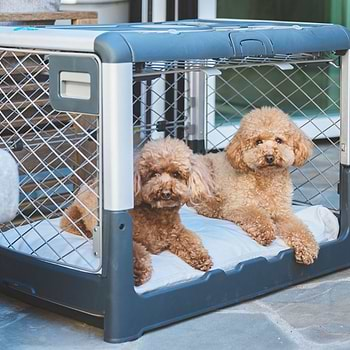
(143, 106)
(117, 136)
(144, 11)
(159, 10)
(195, 128)
(176, 14)
(180, 107)
(344, 186)
(148, 105)
(169, 101)
(117, 185)
(169, 78)
(345, 109)
(207, 9)
(150, 11)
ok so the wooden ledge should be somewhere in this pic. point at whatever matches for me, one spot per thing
(88, 16)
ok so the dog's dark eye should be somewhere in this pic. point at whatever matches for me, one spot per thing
(258, 142)
(176, 174)
(279, 140)
(153, 174)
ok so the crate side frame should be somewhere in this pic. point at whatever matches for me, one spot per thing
(129, 314)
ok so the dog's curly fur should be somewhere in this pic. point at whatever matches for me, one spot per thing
(80, 219)
(253, 185)
(167, 175)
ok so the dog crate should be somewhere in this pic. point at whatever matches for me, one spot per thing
(77, 102)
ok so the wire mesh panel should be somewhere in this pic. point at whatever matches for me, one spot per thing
(57, 154)
(160, 106)
(308, 91)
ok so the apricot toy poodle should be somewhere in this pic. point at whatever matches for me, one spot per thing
(253, 187)
(166, 175)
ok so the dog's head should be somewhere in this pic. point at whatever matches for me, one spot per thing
(268, 139)
(167, 174)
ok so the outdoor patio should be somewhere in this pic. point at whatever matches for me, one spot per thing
(314, 315)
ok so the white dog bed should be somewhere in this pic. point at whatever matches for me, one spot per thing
(227, 244)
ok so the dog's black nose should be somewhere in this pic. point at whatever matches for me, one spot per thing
(269, 159)
(166, 194)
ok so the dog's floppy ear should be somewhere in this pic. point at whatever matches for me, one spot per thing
(302, 147)
(200, 182)
(137, 181)
(234, 152)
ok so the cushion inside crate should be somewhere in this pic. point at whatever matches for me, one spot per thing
(227, 244)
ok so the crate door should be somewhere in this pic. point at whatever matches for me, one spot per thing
(49, 115)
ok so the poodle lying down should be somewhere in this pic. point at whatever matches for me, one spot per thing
(226, 243)
(167, 175)
(253, 185)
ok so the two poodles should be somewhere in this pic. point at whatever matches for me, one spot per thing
(248, 184)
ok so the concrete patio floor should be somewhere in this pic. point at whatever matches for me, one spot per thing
(313, 315)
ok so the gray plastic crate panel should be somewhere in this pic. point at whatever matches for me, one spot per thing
(74, 84)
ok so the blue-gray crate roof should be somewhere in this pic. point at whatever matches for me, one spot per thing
(184, 40)
(200, 39)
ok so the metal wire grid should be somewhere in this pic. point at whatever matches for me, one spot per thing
(160, 107)
(57, 153)
(309, 93)
(165, 67)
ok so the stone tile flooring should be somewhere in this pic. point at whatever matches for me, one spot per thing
(313, 315)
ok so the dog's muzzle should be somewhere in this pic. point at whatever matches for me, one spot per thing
(269, 158)
(166, 195)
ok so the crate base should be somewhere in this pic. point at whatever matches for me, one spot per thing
(54, 308)
(129, 314)
(134, 314)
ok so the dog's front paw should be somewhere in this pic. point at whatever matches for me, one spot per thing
(141, 277)
(297, 236)
(142, 264)
(200, 260)
(263, 233)
(306, 252)
(204, 263)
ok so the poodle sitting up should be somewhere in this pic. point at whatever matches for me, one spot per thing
(167, 175)
(252, 183)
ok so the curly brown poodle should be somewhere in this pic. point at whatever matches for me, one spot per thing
(166, 175)
(253, 185)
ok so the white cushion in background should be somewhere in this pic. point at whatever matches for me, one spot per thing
(9, 187)
(227, 244)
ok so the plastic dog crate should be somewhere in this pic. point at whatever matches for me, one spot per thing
(76, 103)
